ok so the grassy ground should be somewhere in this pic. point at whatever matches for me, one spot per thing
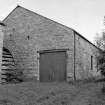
(31, 93)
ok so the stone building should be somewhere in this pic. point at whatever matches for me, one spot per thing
(44, 49)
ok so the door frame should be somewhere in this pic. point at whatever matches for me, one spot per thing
(51, 51)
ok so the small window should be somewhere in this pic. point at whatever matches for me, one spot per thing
(91, 62)
(28, 37)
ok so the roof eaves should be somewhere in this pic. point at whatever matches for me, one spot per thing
(86, 39)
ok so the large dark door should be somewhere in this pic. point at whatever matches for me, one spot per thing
(53, 66)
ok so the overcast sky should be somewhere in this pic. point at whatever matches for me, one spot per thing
(85, 16)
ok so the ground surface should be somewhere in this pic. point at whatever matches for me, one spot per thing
(31, 93)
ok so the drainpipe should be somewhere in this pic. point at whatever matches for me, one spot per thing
(1, 47)
(74, 56)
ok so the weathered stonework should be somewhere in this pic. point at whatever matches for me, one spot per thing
(27, 32)
(84, 51)
(30, 33)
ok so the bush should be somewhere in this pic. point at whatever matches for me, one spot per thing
(103, 88)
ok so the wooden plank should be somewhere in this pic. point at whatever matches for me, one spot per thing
(53, 66)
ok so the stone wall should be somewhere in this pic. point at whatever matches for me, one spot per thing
(85, 58)
(28, 32)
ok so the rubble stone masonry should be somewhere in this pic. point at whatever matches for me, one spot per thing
(27, 32)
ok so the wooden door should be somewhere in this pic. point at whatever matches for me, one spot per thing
(53, 66)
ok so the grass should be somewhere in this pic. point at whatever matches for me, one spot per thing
(34, 93)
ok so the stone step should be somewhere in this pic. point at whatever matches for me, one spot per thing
(7, 60)
(6, 53)
(11, 59)
(5, 50)
(8, 64)
(7, 69)
(4, 56)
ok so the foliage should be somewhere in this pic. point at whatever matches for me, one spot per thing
(100, 43)
(101, 62)
(100, 40)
